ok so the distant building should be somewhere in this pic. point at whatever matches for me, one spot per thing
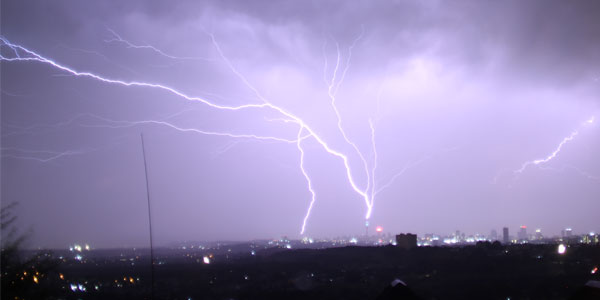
(406, 241)
(505, 238)
(567, 233)
(590, 238)
(494, 235)
(522, 235)
(538, 235)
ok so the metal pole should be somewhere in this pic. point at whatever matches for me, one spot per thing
(149, 217)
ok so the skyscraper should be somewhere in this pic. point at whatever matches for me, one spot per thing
(522, 236)
(505, 239)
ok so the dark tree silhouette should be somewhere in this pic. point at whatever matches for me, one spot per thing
(22, 276)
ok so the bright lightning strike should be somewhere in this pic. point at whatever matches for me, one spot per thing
(549, 157)
(554, 153)
(22, 54)
(375, 158)
(305, 126)
(32, 56)
(309, 182)
(332, 89)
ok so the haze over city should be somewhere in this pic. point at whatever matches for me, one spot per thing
(267, 119)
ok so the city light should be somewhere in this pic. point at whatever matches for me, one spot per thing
(206, 260)
(379, 229)
(562, 249)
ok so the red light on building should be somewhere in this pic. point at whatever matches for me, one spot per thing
(523, 226)
(379, 229)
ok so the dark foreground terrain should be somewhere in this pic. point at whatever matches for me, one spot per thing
(484, 271)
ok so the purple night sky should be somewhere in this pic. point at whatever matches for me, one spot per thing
(450, 115)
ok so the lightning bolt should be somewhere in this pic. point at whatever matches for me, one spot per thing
(226, 147)
(126, 124)
(409, 166)
(400, 173)
(554, 153)
(309, 182)
(116, 38)
(22, 54)
(99, 55)
(32, 56)
(375, 159)
(31, 129)
(549, 157)
(304, 126)
(332, 89)
(34, 154)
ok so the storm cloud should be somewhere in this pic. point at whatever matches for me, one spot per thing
(460, 94)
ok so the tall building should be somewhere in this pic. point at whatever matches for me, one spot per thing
(505, 238)
(406, 241)
(522, 235)
(457, 236)
(494, 235)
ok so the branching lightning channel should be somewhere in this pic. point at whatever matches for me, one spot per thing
(332, 89)
(375, 159)
(21, 130)
(99, 55)
(32, 56)
(309, 182)
(116, 38)
(22, 54)
(43, 156)
(125, 124)
(300, 122)
(398, 174)
(554, 153)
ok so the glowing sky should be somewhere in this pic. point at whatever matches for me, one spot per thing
(437, 116)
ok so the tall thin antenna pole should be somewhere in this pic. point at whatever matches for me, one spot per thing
(149, 217)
